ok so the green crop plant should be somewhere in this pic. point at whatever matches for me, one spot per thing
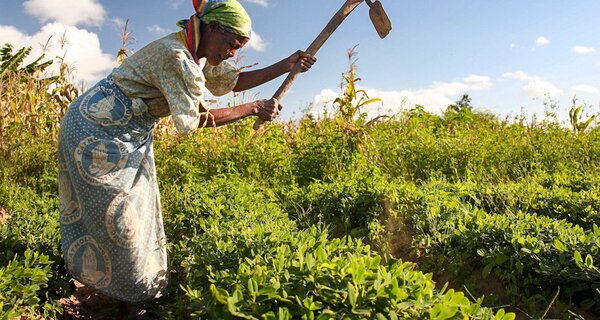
(532, 255)
(21, 281)
(308, 276)
(29, 102)
(351, 101)
(336, 217)
(577, 122)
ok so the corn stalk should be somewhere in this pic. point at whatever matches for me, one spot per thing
(28, 102)
(352, 100)
(577, 122)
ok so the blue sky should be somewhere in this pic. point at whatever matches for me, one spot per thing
(510, 56)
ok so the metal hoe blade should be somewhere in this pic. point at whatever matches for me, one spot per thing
(380, 20)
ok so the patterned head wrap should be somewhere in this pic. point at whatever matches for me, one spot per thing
(230, 15)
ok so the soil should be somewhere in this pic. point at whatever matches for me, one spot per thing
(89, 304)
(4, 216)
(469, 280)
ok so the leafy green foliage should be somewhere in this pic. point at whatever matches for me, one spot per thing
(308, 276)
(579, 125)
(21, 282)
(31, 103)
(220, 222)
(349, 202)
(33, 223)
(546, 196)
(275, 225)
(11, 62)
(351, 101)
(532, 254)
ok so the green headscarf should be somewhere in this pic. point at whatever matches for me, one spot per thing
(228, 13)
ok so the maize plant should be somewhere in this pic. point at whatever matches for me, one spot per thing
(28, 100)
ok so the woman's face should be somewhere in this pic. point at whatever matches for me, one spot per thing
(219, 45)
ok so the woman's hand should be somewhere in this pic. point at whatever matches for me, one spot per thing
(267, 109)
(306, 60)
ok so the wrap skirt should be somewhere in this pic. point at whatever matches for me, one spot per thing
(111, 222)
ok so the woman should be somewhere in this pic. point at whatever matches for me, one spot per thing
(111, 222)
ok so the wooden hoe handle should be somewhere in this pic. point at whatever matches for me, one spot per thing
(335, 21)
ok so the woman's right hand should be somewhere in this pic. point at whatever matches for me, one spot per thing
(267, 109)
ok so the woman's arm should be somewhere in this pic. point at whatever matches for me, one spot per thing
(251, 79)
(264, 109)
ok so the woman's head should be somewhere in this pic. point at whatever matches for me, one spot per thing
(218, 44)
(218, 28)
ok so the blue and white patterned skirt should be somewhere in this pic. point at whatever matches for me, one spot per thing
(110, 217)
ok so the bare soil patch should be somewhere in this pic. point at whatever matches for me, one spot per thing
(4, 215)
(88, 304)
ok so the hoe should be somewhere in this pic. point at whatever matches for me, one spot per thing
(378, 17)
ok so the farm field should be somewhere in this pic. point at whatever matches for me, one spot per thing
(461, 215)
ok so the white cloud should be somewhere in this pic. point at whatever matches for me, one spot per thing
(449, 88)
(393, 102)
(478, 82)
(325, 97)
(256, 42)
(584, 88)
(541, 88)
(519, 75)
(582, 49)
(12, 35)
(542, 41)
(470, 83)
(435, 98)
(158, 30)
(68, 12)
(513, 45)
(81, 49)
(536, 86)
(263, 3)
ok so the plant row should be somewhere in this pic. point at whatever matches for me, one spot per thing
(533, 255)
(246, 259)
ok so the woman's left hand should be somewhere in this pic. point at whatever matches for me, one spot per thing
(306, 60)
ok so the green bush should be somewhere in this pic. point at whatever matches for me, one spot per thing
(348, 202)
(556, 200)
(241, 207)
(533, 255)
(243, 257)
(222, 221)
(33, 222)
(22, 282)
(308, 276)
